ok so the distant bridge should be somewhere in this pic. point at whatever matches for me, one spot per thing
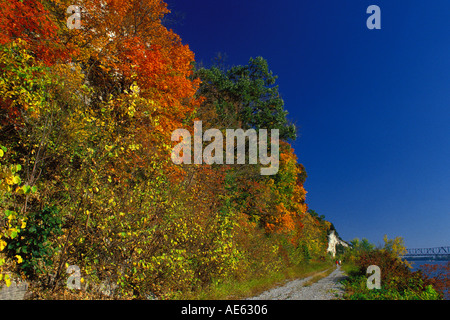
(427, 252)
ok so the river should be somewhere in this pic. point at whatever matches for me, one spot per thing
(417, 264)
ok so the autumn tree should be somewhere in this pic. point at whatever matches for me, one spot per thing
(30, 21)
(93, 132)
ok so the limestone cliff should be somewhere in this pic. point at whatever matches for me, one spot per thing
(333, 241)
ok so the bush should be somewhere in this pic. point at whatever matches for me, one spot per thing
(439, 276)
(34, 243)
(397, 280)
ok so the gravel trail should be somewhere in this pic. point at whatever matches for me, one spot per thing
(327, 288)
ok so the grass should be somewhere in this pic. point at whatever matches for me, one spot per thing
(254, 285)
(349, 268)
(318, 276)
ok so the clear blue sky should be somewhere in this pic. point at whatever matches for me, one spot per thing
(372, 106)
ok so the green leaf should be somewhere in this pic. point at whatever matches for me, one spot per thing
(9, 212)
(13, 234)
(26, 189)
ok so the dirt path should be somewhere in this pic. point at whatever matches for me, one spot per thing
(326, 288)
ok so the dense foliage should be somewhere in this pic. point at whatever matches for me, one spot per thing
(86, 178)
(398, 282)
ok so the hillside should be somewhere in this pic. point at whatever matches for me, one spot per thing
(90, 121)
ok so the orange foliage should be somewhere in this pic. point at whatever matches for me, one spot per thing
(30, 21)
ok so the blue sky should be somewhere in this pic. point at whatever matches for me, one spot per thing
(372, 106)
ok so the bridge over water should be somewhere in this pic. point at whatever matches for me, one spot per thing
(428, 252)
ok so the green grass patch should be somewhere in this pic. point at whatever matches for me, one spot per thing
(349, 268)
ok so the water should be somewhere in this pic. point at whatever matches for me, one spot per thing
(417, 264)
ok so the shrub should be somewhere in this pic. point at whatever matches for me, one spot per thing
(397, 280)
(34, 243)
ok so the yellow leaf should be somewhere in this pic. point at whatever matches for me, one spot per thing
(16, 180)
(2, 245)
(7, 280)
(19, 258)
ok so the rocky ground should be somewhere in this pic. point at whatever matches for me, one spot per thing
(327, 288)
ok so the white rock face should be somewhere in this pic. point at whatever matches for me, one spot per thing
(333, 240)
